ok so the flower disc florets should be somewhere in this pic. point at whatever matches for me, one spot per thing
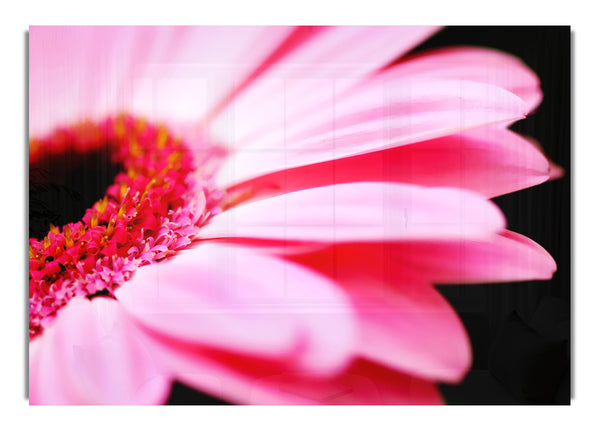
(154, 207)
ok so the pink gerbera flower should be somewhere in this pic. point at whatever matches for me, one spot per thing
(285, 204)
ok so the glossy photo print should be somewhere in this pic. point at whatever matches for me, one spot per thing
(299, 215)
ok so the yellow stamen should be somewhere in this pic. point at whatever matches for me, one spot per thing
(148, 187)
(34, 145)
(174, 157)
(131, 173)
(140, 125)
(94, 221)
(120, 127)
(124, 188)
(135, 149)
(68, 239)
(111, 225)
(101, 205)
(163, 135)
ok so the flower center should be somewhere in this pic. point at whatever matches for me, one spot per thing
(154, 206)
(63, 186)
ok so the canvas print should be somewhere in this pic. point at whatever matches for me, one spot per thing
(299, 215)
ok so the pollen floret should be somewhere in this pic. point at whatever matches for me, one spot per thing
(153, 208)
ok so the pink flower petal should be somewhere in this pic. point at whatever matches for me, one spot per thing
(425, 341)
(361, 211)
(201, 69)
(364, 383)
(376, 118)
(296, 38)
(335, 55)
(230, 298)
(482, 65)
(505, 257)
(404, 322)
(490, 160)
(163, 73)
(92, 355)
(475, 64)
(556, 171)
(247, 380)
